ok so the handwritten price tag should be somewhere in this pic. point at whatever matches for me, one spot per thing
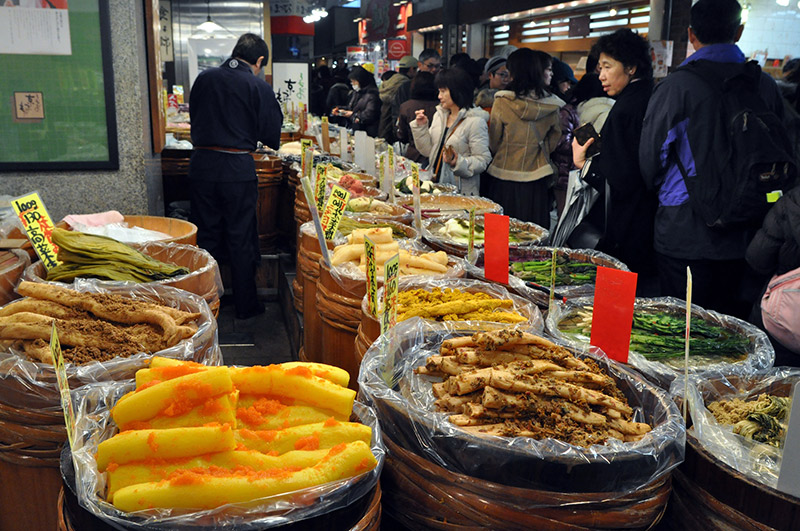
(391, 272)
(372, 279)
(38, 227)
(63, 385)
(319, 186)
(334, 209)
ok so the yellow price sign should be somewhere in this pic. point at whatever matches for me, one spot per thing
(415, 191)
(391, 272)
(334, 209)
(38, 227)
(319, 186)
(391, 159)
(372, 278)
(63, 385)
(381, 166)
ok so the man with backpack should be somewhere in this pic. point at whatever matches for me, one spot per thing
(713, 146)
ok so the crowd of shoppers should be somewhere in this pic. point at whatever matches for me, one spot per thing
(504, 128)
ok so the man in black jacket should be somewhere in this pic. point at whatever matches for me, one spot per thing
(231, 109)
(678, 123)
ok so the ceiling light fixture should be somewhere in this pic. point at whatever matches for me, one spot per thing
(209, 26)
(613, 12)
(317, 14)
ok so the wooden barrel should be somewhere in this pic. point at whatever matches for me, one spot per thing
(29, 494)
(180, 231)
(712, 494)
(287, 228)
(420, 494)
(340, 315)
(12, 265)
(270, 175)
(363, 514)
(203, 279)
(308, 260)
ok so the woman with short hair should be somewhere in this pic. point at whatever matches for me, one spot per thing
(457, 143)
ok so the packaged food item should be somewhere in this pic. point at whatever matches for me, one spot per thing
(189, 449)
(718, 342)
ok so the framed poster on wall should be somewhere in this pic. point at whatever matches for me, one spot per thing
(57, 107)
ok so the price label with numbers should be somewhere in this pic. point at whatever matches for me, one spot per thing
(334, 209)
(38, 227)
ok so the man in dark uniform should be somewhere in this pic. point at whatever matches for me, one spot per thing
(232, 108)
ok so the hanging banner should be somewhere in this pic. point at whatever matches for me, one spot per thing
(290, 84)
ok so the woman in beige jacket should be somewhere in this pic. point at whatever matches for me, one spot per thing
(524, 129)
(457, 143)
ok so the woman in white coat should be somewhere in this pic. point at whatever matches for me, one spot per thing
(457, 143)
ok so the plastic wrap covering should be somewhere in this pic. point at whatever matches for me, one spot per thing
(405, 405)
(434, 231)
(94, 425)
(26, 384)
(534, 323)
(388, 212)
(541, 296)
(757, 461)
(412, 236)
(450, 205)
(760, 354)
(352, 280)
(12, 266)
(203, 279)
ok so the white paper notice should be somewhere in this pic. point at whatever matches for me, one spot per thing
(34, 31)
(360, 150)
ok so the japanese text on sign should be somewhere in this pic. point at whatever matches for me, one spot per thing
(319, 186)
(372, 279)
(63, 384)
(334, 209)
(391, 271)
(38, 227)
(471, 245)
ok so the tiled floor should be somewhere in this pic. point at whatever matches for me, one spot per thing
(260, 340)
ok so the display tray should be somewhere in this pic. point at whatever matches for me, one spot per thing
(540, 295)
(404, 402)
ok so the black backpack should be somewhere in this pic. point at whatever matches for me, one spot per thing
(750, 154)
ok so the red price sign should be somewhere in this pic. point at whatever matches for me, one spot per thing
(495, 247)
(612, 315)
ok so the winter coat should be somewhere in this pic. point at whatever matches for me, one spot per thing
(485, 98)
(629, 229)
(775, 249)
(562, 155)
(469, 138)
(680, 122)
(366, 107)
(516, 128)
(595, 111)
(407, 116)
(387, 92)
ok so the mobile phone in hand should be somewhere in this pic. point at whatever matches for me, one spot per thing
(583, 134)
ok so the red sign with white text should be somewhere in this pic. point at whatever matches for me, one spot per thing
(397, 49)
